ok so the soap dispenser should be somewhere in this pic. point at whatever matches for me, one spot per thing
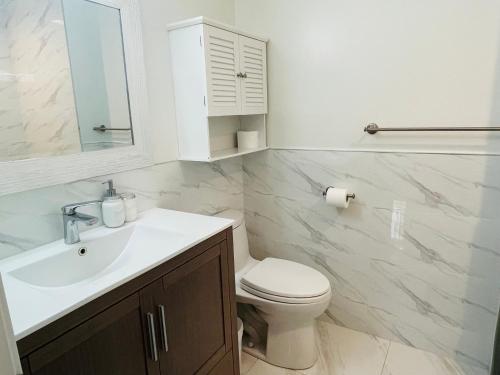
(113, 209)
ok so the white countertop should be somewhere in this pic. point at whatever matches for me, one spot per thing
(157, 236)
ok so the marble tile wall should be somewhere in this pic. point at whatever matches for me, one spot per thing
(11, 126)
(416, 257)
(33, 218)
(39, 65)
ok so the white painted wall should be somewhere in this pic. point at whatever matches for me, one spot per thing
(156, 15)
(336, 65)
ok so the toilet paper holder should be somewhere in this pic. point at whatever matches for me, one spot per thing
(349, 196)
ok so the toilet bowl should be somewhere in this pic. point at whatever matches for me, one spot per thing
(287, 295)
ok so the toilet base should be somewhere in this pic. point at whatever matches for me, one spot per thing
(290, 346)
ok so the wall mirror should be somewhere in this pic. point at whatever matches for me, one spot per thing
(72, 93)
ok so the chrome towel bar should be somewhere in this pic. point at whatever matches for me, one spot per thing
(103, 129)
(374, 129)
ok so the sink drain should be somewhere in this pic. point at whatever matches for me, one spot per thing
(82, 251)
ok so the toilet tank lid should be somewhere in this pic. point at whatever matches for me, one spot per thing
(234, 215)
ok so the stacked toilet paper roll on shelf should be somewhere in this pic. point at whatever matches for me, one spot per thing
(248, 140)
(337, 197)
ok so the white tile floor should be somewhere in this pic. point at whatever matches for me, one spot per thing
(347, 352)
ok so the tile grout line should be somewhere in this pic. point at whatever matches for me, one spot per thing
(385, 359)
(254, 364)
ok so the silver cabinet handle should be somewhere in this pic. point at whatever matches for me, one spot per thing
(152, 337)
(163, 328)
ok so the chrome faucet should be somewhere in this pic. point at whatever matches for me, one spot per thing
(71, 218)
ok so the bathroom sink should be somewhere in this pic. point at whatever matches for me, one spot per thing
(105, 251)
(101, 253)
(77, 262)
(58, 278)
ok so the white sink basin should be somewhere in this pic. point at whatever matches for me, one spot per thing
(76, 263)
(46, 283)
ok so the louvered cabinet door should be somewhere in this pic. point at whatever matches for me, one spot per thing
(253, 65)
(222, 62)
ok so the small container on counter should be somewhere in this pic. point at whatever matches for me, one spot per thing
(113, 211)
(113, 208)
(130, 203)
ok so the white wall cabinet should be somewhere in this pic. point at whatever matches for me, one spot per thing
(236, 73)
(220, 83)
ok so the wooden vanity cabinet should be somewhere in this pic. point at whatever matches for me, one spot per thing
(178, 319)
(109, 343)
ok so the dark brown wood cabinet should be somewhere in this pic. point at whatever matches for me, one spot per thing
(178, 319)
(112, 340)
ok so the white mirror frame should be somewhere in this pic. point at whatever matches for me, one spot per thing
(29, 174)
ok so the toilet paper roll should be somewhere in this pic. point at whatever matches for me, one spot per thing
(248, 140)
(337, 197)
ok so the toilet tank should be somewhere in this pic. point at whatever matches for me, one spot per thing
(240, 239)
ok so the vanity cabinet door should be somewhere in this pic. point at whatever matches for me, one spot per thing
(25, 366)
(197, 314)
(113, 342)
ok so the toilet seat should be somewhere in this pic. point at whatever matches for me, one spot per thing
(295, 301)
(286, 282)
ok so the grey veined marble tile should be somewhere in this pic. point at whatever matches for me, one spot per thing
(347, 352)
(344, 351)
(43, 87)
(247, 362)
(403, 360)
(33, 218)
(414, 259)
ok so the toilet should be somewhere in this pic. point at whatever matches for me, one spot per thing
(287, 296)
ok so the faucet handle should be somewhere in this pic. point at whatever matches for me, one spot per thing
(70, 209)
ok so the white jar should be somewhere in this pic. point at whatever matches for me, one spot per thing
(130, 202)
(113, 212)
